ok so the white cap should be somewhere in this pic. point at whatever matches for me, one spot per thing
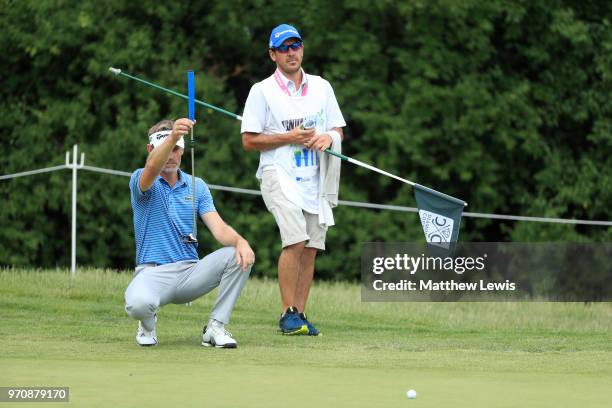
(158, 137)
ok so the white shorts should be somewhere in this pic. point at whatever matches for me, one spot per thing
(295, 225)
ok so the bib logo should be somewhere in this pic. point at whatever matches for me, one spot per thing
(437, 228)
(308, 122)
(305, 158)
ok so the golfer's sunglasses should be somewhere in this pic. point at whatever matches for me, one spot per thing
(284, 48)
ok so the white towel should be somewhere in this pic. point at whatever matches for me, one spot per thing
(329, 182)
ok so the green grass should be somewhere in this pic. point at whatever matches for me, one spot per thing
(58, 331)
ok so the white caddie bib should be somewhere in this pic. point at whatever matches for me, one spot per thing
(297, 166)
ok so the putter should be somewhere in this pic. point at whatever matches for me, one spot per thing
(192, 238)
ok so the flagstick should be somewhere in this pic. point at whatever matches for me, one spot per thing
(117, 71)
(403, 180)
(367, 166)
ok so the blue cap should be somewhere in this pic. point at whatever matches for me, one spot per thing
(282, 33)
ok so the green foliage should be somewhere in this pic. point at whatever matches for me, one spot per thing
(504, 104)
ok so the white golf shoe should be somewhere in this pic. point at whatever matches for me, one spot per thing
(144, 337)
(215, 336)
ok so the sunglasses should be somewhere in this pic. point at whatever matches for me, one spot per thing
(284, 48)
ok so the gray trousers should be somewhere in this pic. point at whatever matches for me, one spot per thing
(181, 282)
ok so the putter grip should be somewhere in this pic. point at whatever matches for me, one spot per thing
(191, 94)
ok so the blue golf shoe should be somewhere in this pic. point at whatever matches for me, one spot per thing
(291, 323)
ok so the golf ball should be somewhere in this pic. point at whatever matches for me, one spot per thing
(411, 394)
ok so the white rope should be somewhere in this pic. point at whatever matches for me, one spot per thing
(29, 173)
(340, 202)
(536, 219)
(378, 206)
(107, 171)
(234, 189)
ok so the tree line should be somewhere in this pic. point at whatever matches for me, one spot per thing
(504, 104)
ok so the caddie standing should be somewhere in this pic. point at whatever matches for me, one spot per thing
(291, 117)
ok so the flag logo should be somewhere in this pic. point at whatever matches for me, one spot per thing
(438, 229)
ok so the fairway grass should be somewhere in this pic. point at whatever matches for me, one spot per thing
(61, 331)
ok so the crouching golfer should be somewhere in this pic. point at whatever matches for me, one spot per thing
(168, 269)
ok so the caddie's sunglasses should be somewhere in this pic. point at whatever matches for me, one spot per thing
(284, 48)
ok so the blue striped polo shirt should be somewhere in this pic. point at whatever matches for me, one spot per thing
(163, 215)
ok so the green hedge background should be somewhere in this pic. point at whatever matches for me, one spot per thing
(503, 103)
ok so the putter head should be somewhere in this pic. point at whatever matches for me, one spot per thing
(190, 239)
(115, 71)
